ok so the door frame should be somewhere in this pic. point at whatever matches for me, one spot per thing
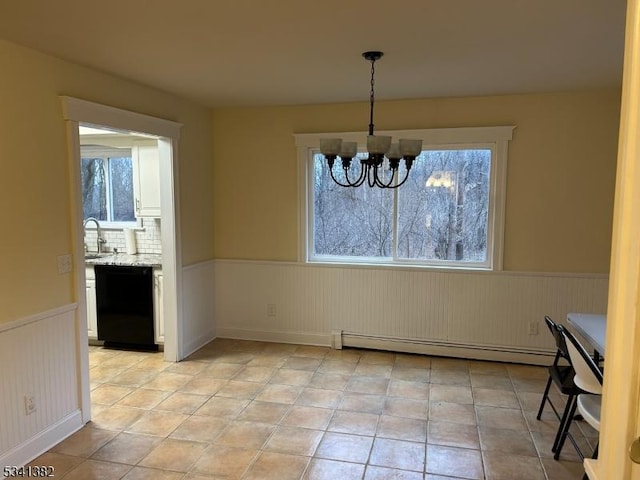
(76, 111)
(620, 417)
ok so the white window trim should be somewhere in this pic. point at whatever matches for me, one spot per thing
(106, 152)
(496, 137)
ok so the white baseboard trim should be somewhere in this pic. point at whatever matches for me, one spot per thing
(43, 441)
(318, 339)
(446, 349)
(591, 468)
(198, 343)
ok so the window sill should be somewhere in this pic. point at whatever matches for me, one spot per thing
(400, 265)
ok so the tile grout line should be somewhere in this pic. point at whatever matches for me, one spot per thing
(372, 365)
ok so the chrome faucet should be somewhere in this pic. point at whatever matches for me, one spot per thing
(100, 239)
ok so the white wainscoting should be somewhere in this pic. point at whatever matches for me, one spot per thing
(483, 315)
(38, 356)
(199, 326)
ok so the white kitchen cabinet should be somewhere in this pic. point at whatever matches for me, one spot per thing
(146, 180)
(92, 310)
(158, 316)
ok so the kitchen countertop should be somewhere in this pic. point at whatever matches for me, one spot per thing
(139, 260)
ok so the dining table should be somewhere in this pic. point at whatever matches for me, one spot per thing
(592, 327)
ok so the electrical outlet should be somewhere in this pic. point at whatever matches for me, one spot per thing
(29, 404)
(533, 328)
(65, 264)
(271, 309)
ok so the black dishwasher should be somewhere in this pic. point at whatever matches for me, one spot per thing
(124, 298)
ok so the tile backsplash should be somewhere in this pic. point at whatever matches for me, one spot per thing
(147, 238)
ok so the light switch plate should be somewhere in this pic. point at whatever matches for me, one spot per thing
(65, 264)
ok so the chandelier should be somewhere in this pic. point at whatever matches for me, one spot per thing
(380, 150)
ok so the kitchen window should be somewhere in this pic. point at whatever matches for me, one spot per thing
(450, 213)
(107, 184)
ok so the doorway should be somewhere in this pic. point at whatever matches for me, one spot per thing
(167, 133)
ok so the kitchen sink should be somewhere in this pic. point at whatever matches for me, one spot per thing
(92, 256)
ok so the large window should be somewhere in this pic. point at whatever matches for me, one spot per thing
(448, 214)
(107, 184)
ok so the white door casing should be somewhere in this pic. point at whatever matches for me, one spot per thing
(620, 413)
(76, 111)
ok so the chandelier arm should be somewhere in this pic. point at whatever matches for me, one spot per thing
(338, 182)
(406, 177)
(372, 177)
(363, 173)
(349, 183)
(381, 184)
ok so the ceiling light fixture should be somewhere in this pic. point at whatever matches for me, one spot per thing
(380, 150)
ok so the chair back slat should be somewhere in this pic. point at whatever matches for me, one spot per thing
(556, 331)
(588, 375)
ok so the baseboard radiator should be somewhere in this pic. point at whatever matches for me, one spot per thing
(496, 353)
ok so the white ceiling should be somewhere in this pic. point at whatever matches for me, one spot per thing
(283, 52)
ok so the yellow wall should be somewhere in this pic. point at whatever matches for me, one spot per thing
(34, 180)
(560, 179)
(560, 176)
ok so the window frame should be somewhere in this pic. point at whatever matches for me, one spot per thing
(495, 138)
(106, 153)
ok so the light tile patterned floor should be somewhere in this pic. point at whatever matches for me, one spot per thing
(260, 411)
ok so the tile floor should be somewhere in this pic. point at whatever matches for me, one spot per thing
(260, 411)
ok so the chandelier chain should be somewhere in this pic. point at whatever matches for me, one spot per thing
(372, 96)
